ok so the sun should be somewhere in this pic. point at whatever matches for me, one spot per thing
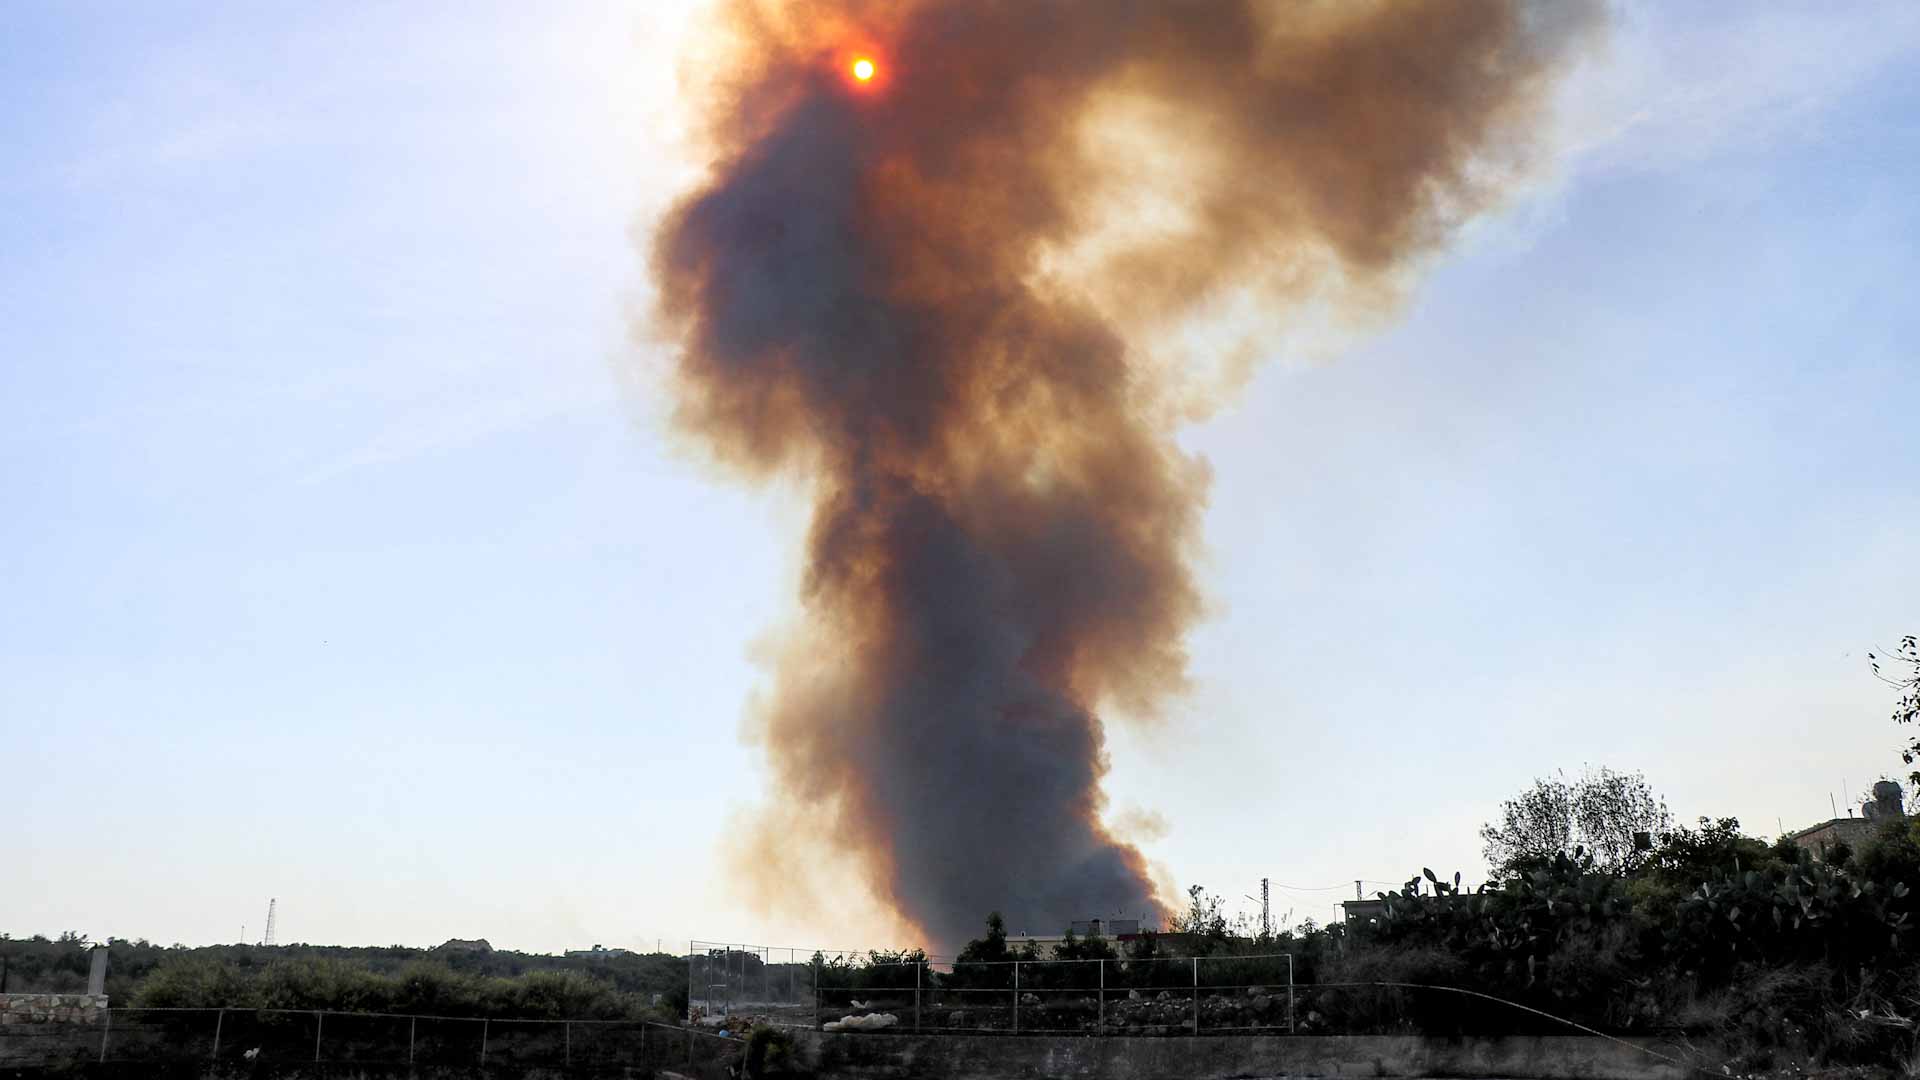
(863, 69)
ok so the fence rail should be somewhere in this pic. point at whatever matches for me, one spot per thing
(246, 1037)
(261, 1036)
(1125, 995)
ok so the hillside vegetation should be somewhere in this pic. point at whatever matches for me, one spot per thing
(398, 979)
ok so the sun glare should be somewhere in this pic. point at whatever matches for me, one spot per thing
(863, 69)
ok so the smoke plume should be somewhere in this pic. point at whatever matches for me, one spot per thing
(957, 301)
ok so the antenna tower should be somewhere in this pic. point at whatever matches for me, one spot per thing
(271, 903)
(1266, 920)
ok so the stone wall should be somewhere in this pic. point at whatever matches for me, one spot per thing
(35, 1028)
(51, 1008)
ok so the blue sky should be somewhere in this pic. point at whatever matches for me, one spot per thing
(345, 558)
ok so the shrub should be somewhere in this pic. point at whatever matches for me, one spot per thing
(769, 1053)
(195, 983)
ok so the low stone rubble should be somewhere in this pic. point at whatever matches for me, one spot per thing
(51, 1008)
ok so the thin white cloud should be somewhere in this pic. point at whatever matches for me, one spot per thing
(440, 427)
(1676, 85)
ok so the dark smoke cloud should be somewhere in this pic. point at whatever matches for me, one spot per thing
(931, 297)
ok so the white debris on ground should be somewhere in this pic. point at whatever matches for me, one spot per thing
(869, 1022)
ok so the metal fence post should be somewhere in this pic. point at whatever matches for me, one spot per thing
(1291, 1028)
(916, 997)
(1016, 997)
(218, 1021)
(1196, 995)
(104, 1032)
(1103, 995)
(413, 1022)
(483, 1043)
(319, 1025)
(568, 1025)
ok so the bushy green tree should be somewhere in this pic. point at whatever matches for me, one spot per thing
(1687, 858)
(1892, 854)
(982, 962)
(1091, 947)
(1603, 813)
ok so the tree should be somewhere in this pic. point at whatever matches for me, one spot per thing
(983, 961)
(991, 949)
(1716, 850)
(1611, 810)
(1202, 918)
(1091, 947)
(1900, 669)
(1534, 827)
(1602, 812)
(1892, 854)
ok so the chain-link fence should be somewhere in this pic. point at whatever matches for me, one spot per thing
(1152, 996)
(771, 985)
(247, 1037)
(1210, 996)
(731, 985)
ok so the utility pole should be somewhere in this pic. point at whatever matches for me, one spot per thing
(1266, 918)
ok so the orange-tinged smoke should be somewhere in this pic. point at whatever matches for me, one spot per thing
(943, 303)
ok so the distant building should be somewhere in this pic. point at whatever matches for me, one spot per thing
(598, 952)
(1888, 803)
(1115, 930)
(1362, 912)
